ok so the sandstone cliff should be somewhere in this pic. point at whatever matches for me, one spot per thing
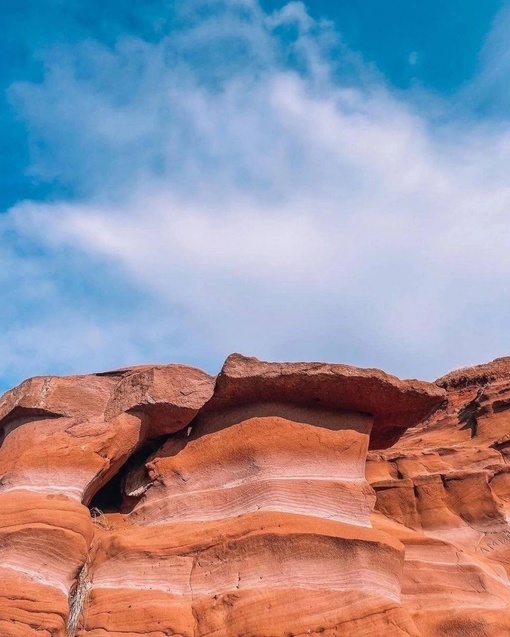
(274, 500)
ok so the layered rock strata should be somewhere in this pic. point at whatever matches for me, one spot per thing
(58, 449)
(444, 491)
(161, 501)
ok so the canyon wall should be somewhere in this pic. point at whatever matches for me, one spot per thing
(274, 500)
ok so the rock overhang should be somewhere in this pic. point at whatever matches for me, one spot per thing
(171, 396)
(394, 404)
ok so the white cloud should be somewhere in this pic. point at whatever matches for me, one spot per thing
(272, 203)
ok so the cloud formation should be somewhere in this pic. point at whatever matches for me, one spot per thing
(247, 183)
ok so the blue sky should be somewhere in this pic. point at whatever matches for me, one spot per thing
(321, 181)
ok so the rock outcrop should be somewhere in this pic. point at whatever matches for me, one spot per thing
(443, 490)
(158, 501)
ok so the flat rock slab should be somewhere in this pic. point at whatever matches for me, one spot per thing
(395, 404)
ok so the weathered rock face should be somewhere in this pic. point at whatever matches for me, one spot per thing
(58, 449)
(161, 501)
(444, 491)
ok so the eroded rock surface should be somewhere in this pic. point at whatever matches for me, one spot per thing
(58, 449)
(444, 490)
(161, 501)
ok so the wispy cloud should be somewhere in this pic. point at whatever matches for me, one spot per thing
(247, 183)
(487, 92)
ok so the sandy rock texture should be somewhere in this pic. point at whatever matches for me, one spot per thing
(274, 500)
(444, 491)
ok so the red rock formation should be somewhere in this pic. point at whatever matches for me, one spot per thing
(444, 491)
(159, 501)
(58, 449)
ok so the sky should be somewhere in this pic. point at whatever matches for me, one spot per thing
(293, 181)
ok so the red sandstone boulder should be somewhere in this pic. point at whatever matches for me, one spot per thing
(52, 396)
(168, 396)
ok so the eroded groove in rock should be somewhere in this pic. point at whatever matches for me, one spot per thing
(77, 599)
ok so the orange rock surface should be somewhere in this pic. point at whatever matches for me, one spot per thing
(159, 501)
(444, 491)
